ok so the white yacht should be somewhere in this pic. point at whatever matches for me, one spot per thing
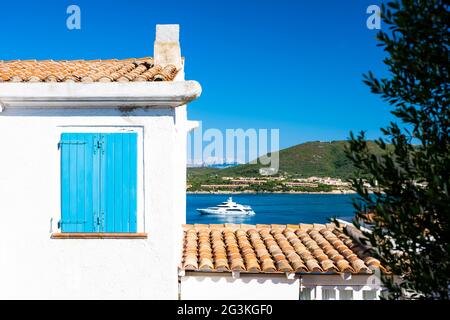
(228, 208)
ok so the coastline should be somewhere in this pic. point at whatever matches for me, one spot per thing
(336, 192)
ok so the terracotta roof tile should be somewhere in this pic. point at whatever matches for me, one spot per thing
(133, 69)
(273, 249)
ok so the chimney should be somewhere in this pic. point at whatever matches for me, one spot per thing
(167, 46)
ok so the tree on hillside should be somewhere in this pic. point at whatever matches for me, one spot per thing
(410, 215)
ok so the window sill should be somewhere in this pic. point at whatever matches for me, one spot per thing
(99, 235)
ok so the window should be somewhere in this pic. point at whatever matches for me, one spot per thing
(98, 182)
(369, 294)
(346, 294)
(328, 294)
(306, 293)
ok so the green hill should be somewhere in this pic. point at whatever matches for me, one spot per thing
(322, 159)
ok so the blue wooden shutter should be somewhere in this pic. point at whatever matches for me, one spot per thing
(99, 182)
(119, 182)
(78, 192)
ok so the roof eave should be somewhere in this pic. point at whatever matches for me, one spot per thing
(124, 95)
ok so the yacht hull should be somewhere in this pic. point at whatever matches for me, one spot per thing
(224, 213)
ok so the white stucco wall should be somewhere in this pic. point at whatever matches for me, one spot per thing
(219, 287)
(32, 265)
(216, 286)
(357, 283)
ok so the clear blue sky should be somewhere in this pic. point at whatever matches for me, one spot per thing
(289, 64)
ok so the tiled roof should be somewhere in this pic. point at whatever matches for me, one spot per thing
(300, 248)
(134, 69)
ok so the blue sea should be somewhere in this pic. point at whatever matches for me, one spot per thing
(275, 208)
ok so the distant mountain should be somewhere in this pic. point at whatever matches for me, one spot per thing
(322, 159)
(224, 165)
(215, 165)
(213, 162)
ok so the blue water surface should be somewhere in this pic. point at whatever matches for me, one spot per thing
(275, 208)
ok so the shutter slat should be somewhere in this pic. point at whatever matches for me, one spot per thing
(103, 182)
(65, 182)
(118, 205)
(133, 182)
(110, 182)
(126, 182)
(96, 185)
(89, 159)
(80, 183)
(73, 185)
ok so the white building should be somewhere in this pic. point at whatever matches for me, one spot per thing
(92, 196)
(76, 137)
(289, 262)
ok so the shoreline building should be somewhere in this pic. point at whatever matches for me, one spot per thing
(93, 175)
(286, 262)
